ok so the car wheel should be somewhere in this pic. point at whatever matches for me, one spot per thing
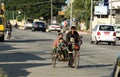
(118, 38)
(43, 30)
(92, 42)
(114, 43)
(58, 30)
(96, 42)
(109, 43)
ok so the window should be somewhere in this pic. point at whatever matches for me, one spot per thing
(106, 28)
(39, 23)
(95, 28)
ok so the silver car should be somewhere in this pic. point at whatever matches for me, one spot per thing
(28, 25)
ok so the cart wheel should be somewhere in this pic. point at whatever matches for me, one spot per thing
(71, 60)
(77, 59)
(54, 58)
(53, 61)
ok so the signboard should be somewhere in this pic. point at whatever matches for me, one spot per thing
(101, 10)
(61, 13)
(106, 2)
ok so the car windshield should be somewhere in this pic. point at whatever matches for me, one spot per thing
(39, 23)
(106, 28)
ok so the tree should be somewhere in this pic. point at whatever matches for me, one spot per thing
(82, 10)
(34, 8)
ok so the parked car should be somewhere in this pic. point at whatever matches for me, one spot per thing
(28, 25)
(117, 29)
(54, 27)
(116, 70)
(103, 33)
(39, 26)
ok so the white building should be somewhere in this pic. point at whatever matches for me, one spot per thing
(115, 4)
(103, 15)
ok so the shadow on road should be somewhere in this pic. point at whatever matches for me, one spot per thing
(95, 66)
(5, 47)
(28, 40)
(19, 69)
(18, 57)
(15, 64)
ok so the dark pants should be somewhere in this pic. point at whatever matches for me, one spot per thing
(70, 63)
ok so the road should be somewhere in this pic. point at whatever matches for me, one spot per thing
(27, 54)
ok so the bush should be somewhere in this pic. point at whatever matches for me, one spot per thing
(3, 73)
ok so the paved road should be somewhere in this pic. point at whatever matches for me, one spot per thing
(27, 54)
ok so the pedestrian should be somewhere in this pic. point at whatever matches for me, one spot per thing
(72, 37)
(8, 30)
(56, 42)
(65, 25)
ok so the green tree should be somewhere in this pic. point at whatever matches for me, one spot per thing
(34, 8)
(82, 10)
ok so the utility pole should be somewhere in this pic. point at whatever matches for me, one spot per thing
(111, 11)
(51, 12)
(71, 13)
(13, 18)
(91, 16)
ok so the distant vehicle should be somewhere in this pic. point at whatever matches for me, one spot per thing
(117, 29)
(103, 33)
(39, 26)
(28, 26)
(116, 70)
(2, 28)
(54, 27)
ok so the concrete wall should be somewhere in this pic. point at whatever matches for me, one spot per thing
(102, 21)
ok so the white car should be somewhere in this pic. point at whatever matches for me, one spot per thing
(117, 29)
(54, 27)
(103, 33)
(28, 26)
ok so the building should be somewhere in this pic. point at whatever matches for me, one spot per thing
(107, 13)
(115, 4)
